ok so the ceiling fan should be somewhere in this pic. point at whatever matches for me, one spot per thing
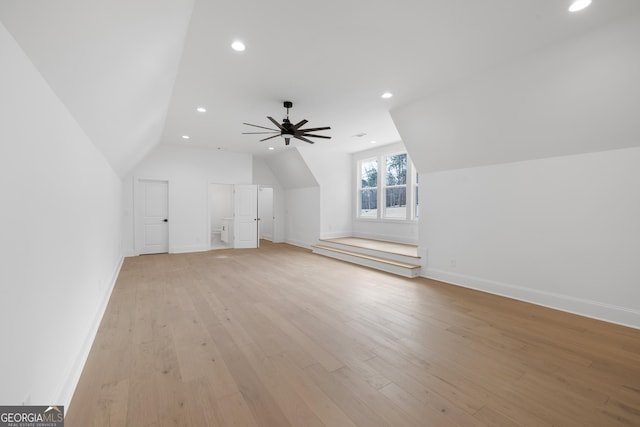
(288, 130)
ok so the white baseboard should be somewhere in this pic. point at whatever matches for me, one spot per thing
(69, 387)
(583, 307)
(298, 243)
(188, 249)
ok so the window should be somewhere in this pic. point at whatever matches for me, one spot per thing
(369, 189)
(395, 189)
(389, 181)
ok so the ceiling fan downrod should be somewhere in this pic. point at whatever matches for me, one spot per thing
(287, 105)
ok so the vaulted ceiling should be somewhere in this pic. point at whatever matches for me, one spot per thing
(133, 72)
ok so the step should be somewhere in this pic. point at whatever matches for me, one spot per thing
(379, 251)
(391, 266)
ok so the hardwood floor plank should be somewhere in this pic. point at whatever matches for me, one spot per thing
(292, 405)
(380, 404)
(326, 359)
(235, 412)
(349, 402)
(278, 336)
(254, 393)
(112, 404)
(319, 402)
(414, 407)
(489, 416)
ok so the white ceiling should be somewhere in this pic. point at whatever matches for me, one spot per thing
(133, 72)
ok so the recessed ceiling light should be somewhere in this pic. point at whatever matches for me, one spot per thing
(271, 148)
(201, 110)
(238, 46)
(387, 95)
(373, 142)
(579, 5)
(185, 137)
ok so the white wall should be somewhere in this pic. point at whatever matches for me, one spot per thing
(302, 216)
(61, 237)
(561, 232)
(312, 195)
(547, 223)
(392, 231)
(333, 172)
(188, 170)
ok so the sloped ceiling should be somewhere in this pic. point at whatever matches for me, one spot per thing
(291, 170)
(112, 63)
(133, 72)
(576, 97)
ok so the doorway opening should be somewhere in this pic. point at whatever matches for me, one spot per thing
(221, 206)
(239, 215)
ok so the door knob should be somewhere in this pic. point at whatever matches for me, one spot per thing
(165, 220)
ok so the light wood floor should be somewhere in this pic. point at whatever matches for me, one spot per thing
(278, 336)
(391, 247)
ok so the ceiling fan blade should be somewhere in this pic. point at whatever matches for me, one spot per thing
(300, 123)
(286, 141)
(316, 136)
(261, 127)
(274, 136)
(276, 123)
(258, 133)
(302, 138)
(314, 129)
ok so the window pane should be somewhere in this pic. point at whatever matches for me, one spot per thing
(396, 203)
(369, 203)
(369, 173)
(397, 169)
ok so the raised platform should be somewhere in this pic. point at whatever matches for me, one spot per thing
(396, 258)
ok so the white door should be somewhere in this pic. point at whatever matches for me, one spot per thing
(246, 216)
(265, 213)
(152, 213)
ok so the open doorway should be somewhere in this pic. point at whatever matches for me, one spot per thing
(221, 205)
(233, 217)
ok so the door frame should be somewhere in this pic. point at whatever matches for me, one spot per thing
(138, 241)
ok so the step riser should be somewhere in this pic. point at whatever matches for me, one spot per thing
(389, 268)
(373, 252)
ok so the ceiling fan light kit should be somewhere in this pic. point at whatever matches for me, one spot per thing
(288, 130)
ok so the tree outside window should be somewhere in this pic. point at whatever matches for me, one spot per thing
(396, 187)
(369, 189)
